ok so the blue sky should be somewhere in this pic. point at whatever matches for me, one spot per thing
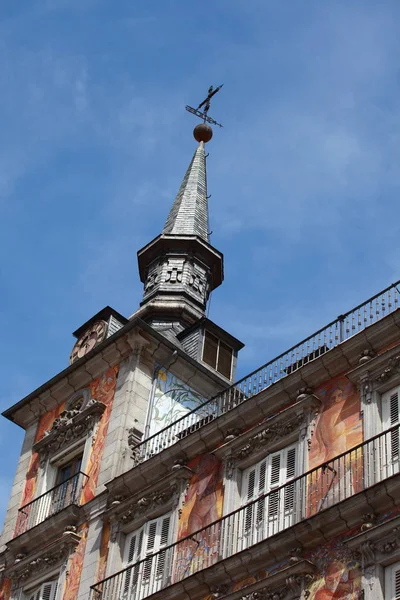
(304, 176)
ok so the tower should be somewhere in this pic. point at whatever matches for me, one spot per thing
(180, 268)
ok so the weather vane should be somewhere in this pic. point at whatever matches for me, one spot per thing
(206, 104)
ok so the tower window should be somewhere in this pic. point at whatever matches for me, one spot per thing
(217, 354)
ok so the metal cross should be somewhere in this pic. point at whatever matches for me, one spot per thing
(206, 103)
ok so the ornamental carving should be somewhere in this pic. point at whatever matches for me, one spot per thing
(296, 583)
(152, 278)
(370, 550)
(75, 422)
(263, 438)
(198, 281)
(23, 569)
(146, 503)
(391, 369)
(267, 594)
(219, 590)
(174, 271)
(366, 355)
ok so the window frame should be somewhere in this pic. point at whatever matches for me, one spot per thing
(219, 342)
(392, 581)
(154, 574)
(36, 591)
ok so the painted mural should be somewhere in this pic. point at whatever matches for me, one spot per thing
(75, 566)
(5, 591)
(103, 390)
(103, 555)
(203, 505)
(339, 426)
(339, 573)
(172, 400)
(337, 430)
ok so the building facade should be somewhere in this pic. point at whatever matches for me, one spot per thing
(147, 471)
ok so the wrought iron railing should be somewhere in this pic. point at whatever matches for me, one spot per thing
(300, 498)
(309, 349)
(51, 502)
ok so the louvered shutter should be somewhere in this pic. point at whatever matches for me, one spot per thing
(151, 535)
(392, 582)
(281, 500)
(133, 555)
(274, 479)
(254, 481)
(47, 591)
(162, 561)
(390, 414)
(147, 571)
(154, 571)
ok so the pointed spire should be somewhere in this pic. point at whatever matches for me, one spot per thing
(189, 212)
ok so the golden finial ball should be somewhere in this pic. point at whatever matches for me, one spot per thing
(202, 133)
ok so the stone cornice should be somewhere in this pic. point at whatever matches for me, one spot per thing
(25, 566)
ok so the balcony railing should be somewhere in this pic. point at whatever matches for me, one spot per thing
(300, 498)
(51, 502)
(322, 341)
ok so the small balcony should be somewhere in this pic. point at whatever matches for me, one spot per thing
(348, 477)
(63, 495)
(311, 349)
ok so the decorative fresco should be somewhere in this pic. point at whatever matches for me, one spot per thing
(45, 423)
(75, 566)
(339, 573)
(103, 556)
(337, 430)
(172, 400)
(203, 505)
(103, 390)
(5, 591)
(339, 425)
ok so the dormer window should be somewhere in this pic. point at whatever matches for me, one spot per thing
(217, 354)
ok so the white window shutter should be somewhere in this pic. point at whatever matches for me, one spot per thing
(133, 550)
(254, 485)
(390, 417)
(141, 546)
(273, 505)
(280, 502)
(47, 591)
(164, 541)
(392, 582)
(396, 582)
(390, 408)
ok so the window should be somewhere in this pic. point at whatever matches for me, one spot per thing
(217, 354)
(149, 575)
(392, 582)
(47, 591)
(65, 492)
(275, 509)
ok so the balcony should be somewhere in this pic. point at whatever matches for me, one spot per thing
(347, 477)
(51, 503)
(317, 345)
